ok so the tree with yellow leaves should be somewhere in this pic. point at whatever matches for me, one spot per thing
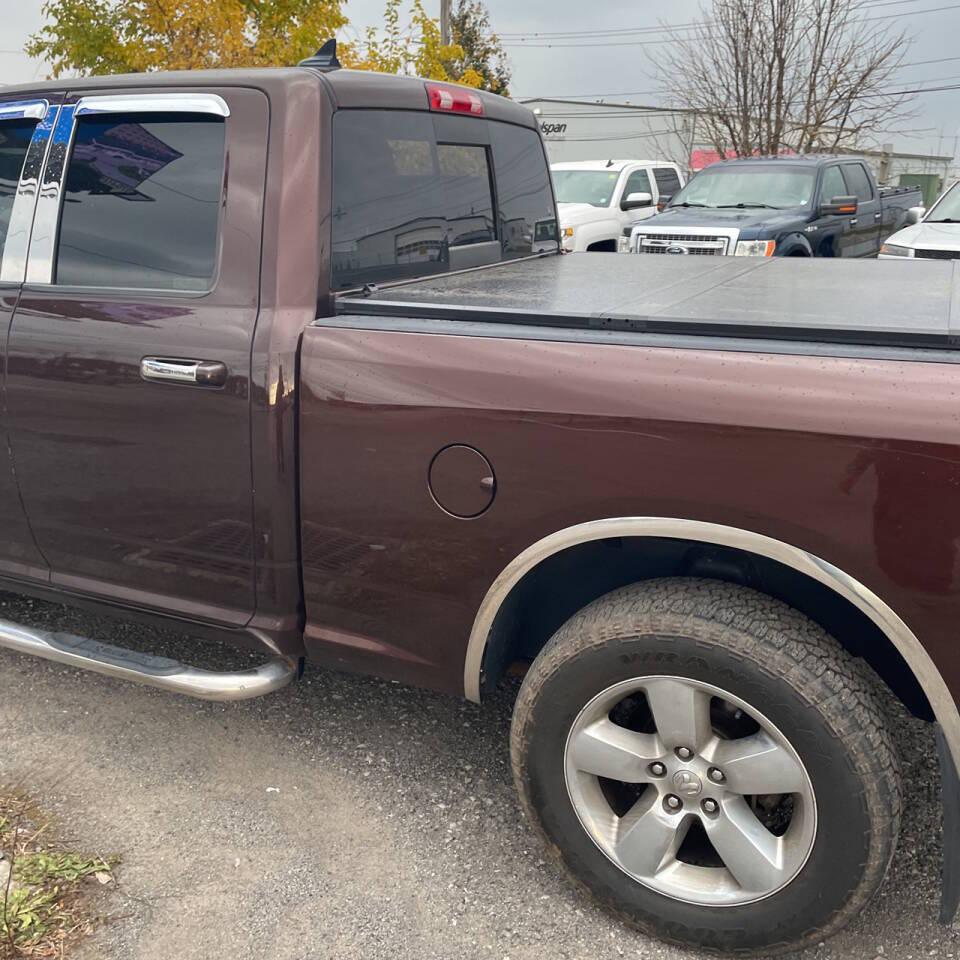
(131, 36)
(134, 36)
(416, 50)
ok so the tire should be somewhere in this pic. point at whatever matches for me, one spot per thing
(771, 677)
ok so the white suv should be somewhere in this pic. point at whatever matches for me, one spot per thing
(599, 201)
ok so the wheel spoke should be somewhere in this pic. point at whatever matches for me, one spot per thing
(648, 837)
(681, 712)
(749, 851)
(758, 765)
(607, 750)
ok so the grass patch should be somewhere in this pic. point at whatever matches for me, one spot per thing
(44, 888)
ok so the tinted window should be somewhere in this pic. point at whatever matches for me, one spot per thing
(833, 185)
(637, 182)
(14, 139)
(528, 217)
(750, 184)
(393, 192)
(142, 203)
(857, 181)
(466, 177)
(667, 180)
(401, 200)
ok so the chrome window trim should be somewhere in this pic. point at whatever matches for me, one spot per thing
(14, 263)
(46, 217)
(23, 109)
(919, 661)
(208, 103)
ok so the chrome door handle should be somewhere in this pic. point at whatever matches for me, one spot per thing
(876, 216)
(207, 373)
(853, 222)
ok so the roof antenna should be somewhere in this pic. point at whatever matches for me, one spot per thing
(324, 59)
(610, 163)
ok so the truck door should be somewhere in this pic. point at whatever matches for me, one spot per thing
(25, 127)
(128, 385)
(865, 223)
(637, 181)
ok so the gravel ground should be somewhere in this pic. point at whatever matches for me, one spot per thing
(344, 817)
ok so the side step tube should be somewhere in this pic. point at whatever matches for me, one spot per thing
(159, 672)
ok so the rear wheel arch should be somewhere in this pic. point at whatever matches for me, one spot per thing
(558, 575)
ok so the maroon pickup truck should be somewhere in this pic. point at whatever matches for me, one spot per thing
(292, 360)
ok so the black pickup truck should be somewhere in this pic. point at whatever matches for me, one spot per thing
(796, 206)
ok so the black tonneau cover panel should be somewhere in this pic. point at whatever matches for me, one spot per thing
(840, 301)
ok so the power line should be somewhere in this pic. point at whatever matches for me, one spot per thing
(516, 44)
(659, 28)
(630, 110)
(514, 36)
(862, 96)
(653, 93)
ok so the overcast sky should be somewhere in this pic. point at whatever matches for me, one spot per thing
(616, 72)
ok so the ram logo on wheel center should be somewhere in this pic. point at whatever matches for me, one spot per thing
(687, 783)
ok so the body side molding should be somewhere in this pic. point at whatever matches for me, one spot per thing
(900, 635)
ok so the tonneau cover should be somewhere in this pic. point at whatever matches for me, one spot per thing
(846, 301)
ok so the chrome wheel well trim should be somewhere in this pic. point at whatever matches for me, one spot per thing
(900, 635)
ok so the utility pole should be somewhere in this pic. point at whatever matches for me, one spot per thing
(445, 22)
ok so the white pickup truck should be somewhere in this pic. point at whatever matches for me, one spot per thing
(598, 200)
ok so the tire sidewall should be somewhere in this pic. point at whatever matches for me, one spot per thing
(834, 870)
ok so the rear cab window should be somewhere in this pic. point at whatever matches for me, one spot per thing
(415, 194)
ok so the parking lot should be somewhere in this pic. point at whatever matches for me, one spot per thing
(343, 817)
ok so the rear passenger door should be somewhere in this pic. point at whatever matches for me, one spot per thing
(128, 388)
(865, 224)
(25, 126)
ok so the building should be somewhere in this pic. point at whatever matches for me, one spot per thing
(574, 130)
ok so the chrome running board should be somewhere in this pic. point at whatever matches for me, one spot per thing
(154, 671)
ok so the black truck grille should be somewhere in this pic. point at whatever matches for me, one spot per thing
(694, 244)
(937, 254)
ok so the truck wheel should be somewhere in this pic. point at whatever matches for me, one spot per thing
(710, 764)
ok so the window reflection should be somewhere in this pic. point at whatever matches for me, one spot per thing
(14, 140)
(141, 203)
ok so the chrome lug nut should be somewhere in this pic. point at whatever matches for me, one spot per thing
(672, 802)
(716, 775)
(710, 805)
(684, 753)
(657, 768)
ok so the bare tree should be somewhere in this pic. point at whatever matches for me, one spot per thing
(768, 75)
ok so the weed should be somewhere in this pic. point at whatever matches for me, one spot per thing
(42, 901)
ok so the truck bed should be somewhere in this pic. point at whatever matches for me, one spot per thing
(853, 302)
